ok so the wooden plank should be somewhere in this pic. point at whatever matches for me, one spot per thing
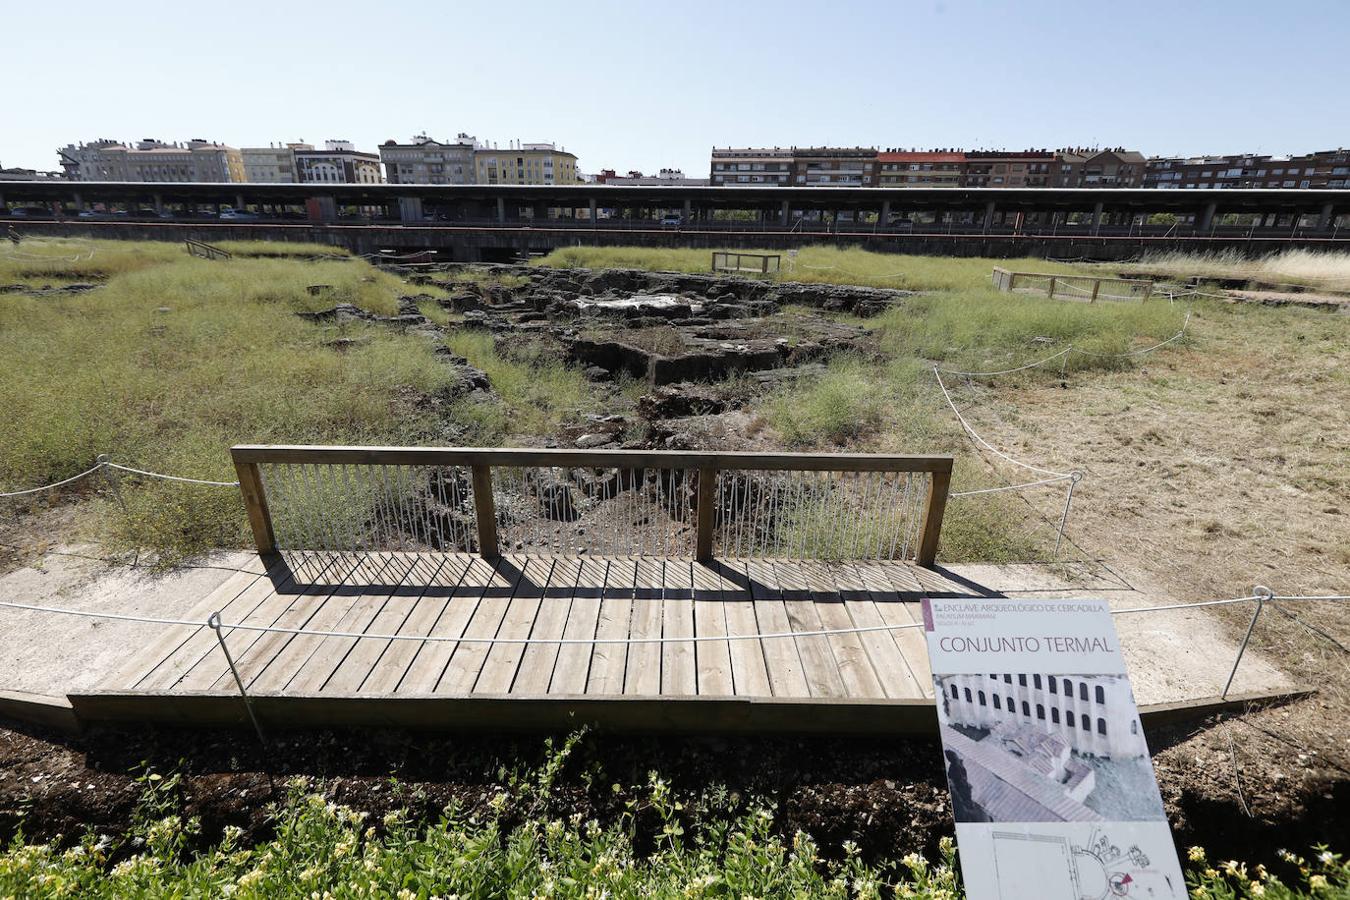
(888, 662)
(713, 658)
(467, 661)
(850, 654)
(334, 614)
(679, 675)
(536, 667)
(608, 661)
(624, 459)
(787, 677)
(259, 604)
(420, 613)
(407, 572)
(818, 662)
(574, 660)
(256, 657)
(939, 484)
(255, 503)
(167, 642)
(643, 672)
(429, 660)
(749, 671)
(882, 580)
(499, 669)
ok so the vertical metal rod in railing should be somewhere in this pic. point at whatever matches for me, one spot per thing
(1262, 594)
(1064, 518)
(938, 485)
(213, 622)
(485, 510)
(255, 502)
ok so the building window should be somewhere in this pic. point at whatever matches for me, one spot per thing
(1040, 710)
(1012, 705)
(1053, 684)
(1085, 721)
(982, 703)
(1054, 714)
(955, 693)
(967, 695)
(1134, 726)
(1007, 679)
(998, 704)
(1082, 691)
(1036, 681)
(1068, 717)
(1026, 709)
(1101, 727)
(1021, 681)
(1101, 694)
(1068, 688)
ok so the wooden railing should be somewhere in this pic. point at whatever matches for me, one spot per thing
(1078, 287)
(205, 250)
(631, 503)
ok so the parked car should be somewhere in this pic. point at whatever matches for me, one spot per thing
(672, 219)
(238, 215)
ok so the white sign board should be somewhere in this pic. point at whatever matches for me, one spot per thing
(1052, 786)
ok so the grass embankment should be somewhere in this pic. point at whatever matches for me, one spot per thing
(280, 249)
(175, 359)
(319, 848)
(821, 265)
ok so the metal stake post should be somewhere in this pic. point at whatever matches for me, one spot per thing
(1063, 519)
(1262, 594)
(213, 622)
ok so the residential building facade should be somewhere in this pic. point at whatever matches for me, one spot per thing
(153, 160)
(745, 165)
(424, 160)
(521, 163)
(634, 178)
(274, 164)
(834, 167)
(1325, 169)
(1008, 169)
(920, 168)
(337, 162)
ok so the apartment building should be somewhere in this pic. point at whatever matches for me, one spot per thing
(153, 160)
(522, 163)
(920, 168)
(834, 167)
(1325, 169)
(746, 165)
(273, 164)
(1008, 169)
(338, 162)
(424, 160)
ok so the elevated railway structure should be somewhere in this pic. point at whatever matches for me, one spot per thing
(471, 222)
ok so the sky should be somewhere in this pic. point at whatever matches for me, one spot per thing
(646, 85)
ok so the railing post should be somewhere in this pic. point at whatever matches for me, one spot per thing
(255, 502)
(938, 485)
(707, 489)
(1052, 287)
(485, 511)
(1096, 287)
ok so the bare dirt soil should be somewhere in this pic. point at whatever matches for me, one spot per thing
(1210, 469)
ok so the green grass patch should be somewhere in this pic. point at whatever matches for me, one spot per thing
(827, 265)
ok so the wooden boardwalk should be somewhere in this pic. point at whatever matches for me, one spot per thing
(441, 602)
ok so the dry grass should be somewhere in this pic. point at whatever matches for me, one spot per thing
(1306, 268)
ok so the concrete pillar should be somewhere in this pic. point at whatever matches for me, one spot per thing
(1324, 218)
(885, 213)
(327, 208)
(592, 210)
(988, 215)
(501, 209)
(159, 202)
(410, 210)
(79, 201)
(1096, 217)
(688, 210)
(238, 201)
(539, 212)
(834, 219)
(1206, 217)
(785, 214)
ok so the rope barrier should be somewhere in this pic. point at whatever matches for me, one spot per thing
(1008, 487)
(1070, 350)
(215, 623)
(974, 436)
(110, 465)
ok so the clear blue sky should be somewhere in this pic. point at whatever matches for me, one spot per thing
(645, 84)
